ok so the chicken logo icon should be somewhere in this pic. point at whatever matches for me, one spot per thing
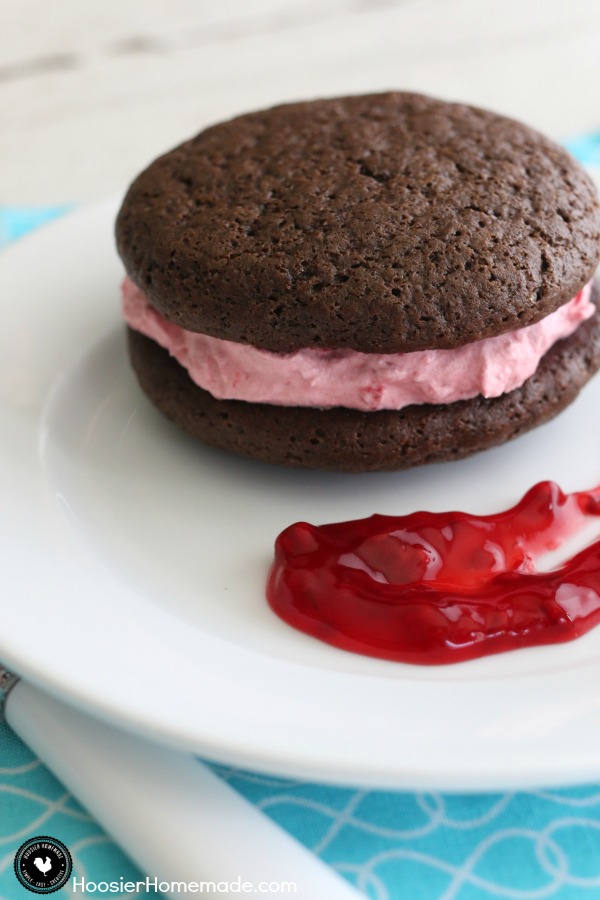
(43, 865)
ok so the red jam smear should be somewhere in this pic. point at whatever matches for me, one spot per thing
(434, 588)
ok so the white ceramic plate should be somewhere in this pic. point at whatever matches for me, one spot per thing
(134, 564)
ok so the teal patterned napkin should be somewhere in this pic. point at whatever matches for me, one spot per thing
(391, 845)
(585, 148)
(431, 846)
(16, 221)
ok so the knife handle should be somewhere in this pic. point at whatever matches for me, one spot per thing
(171, 815)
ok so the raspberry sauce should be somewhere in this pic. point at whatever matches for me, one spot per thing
(433, 588)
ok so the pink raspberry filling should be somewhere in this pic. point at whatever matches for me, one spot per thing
(365, 381)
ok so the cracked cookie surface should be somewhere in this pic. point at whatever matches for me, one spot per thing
(384, 223)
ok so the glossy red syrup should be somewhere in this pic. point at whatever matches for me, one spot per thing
(432, 588)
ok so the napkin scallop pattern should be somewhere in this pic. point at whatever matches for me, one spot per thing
(431, 846)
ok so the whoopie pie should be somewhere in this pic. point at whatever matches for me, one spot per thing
(364, 283)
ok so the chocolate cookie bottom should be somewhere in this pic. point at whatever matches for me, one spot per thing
(348, 440)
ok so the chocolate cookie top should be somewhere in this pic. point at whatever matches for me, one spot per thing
(384, 223)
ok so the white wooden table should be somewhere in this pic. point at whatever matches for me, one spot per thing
(91, 91)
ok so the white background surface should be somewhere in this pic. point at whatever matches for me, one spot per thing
(92, 91)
